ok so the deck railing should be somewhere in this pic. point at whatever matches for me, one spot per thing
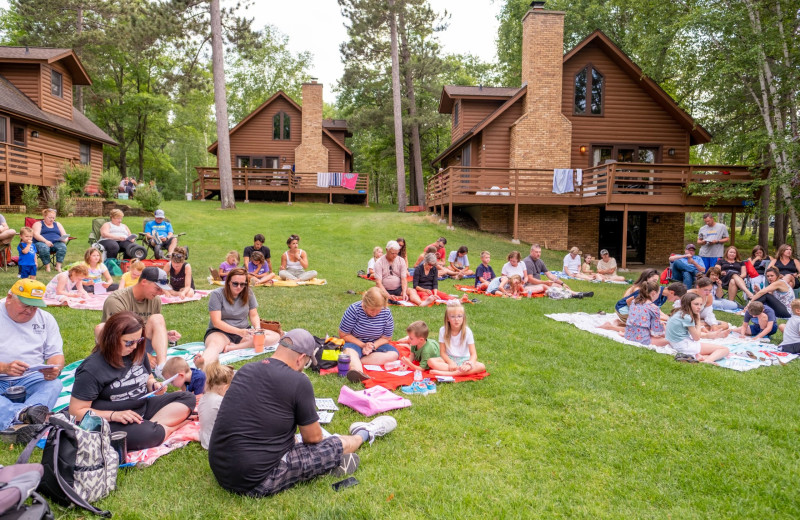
(275, 180)
(21, 165)
(615, 183)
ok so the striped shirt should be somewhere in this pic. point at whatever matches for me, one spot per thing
(356, 323)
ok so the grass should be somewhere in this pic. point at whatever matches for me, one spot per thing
(567, 425)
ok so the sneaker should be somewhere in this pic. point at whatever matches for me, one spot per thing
(378, 427)
(37, 414)
(588, 294)
(357, 376)
(415, 388)
(430, 384)
(21, 433)
(347, 466)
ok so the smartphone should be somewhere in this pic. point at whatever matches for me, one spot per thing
(346, 483)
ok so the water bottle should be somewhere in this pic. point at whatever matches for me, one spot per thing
(418, 376)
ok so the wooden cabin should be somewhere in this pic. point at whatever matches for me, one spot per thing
(588, 152)
(279, 150)
(40, 130)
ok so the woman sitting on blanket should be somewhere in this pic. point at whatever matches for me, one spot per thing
(367, 327)
(426, 282)
(294, 262)
(113, 381)
(259, 270)
(68, 284)
(98, 272)
(229, 309)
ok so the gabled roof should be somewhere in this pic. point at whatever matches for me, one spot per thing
(451, 92)
(333, 124)
(698, 134)
(49, 55)
(15, 102)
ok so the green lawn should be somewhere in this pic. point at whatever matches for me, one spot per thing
(567, 425)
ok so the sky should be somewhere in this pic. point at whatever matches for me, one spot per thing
(317, 26)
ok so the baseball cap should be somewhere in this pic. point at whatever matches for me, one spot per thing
(29, 292)
(157, 276)
(603, 252)
(690, 246)
(159, 213)
(300, 341)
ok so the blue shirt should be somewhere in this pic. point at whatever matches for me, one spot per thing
(198, 383)
(28, 258)
(356, 323)
(159, 230)
(754, 319)
(686, 265)
(482, 271)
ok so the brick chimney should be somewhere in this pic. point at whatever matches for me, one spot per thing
(542, 137)
(311, 156)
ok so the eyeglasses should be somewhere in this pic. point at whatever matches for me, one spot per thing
(239, 284)
(132, 342)
(177, 256)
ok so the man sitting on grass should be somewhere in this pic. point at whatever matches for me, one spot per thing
(253, 450)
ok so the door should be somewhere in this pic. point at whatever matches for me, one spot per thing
(18, 156)
(610, 235)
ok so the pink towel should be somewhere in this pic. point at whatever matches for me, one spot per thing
(349, 180)
(179, 438)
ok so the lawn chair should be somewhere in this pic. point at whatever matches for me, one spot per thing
(29, 222)
(156, 248)
(94, 240)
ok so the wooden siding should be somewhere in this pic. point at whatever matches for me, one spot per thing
(24, 76)
(255, 137)
(471, 112)
(54, 143)
(61, 106)
(336, 156)
(496, 138)
(338, 135)
(97, 165)
(630, 115)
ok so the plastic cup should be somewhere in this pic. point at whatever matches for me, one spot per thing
(258, 341)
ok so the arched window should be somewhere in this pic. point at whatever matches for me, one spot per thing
(281, 126)
(589, 88)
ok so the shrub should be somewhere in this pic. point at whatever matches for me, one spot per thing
(109, 182)
(30, 197)
(60, 199)
(149, 198)
(76, 177)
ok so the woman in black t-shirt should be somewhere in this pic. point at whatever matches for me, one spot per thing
(426, 281)
(114, 380)
(733, 273)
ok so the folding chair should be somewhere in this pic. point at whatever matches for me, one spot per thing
(29, 222)
(156, 248)
(5, 254)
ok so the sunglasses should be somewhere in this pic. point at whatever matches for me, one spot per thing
(177, 256)
(239, 284)
(132, 342)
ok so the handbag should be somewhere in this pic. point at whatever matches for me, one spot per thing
(372, 401)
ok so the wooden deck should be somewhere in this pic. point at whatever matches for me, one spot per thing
(21, 165)
(248, 180)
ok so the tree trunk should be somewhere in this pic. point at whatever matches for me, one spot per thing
(78, 31)
(745, 219)
(221, 105)
(398, 117)
(778, 232)
(763, 218)
(415, 156)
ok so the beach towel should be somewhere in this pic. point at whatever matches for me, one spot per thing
(563, 276)
(178, 439)
(278, 282)
(94, 302)
(739, 359)
(349, 180)
(371, 401)
(474, 290)
(187, 351)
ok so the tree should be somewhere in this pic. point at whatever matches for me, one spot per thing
(397, 112)
(226, 197)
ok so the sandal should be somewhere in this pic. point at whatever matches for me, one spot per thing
(685, 358)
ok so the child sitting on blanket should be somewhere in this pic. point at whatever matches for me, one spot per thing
(484, 273)
(791, 330)
(711, 328)
(644, 317)
(189, 379)
(683, 331)
(231, 262)
(219, 379)
(457, 355)
(422, 349)
(586, 270)
(759, 321)
(131, 278)
(460, 263)
(258, 269)
(376, 254)
(68, 284)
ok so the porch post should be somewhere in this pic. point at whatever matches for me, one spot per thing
(246, 186)
(625, 237)
(290, 177)
(202, 177)
(7, 189)
(450, 204)
(733, 228)
(515, 237)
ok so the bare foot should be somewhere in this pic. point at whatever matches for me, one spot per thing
(199, 361)
(47, 268)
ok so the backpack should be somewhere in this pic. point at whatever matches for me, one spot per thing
(18, 484)
(112, 264)
(326, 354)
(79, 466)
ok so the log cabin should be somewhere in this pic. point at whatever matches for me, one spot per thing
(40, 129)
(279, 149)
(587, 152)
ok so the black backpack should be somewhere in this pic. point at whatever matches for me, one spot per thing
(326, 355)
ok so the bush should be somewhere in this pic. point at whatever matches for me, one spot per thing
(30, 197)
(60, 199)
(76, 177)
(109, 182)
(149, 198)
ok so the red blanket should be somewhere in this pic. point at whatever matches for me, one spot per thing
(472, 289)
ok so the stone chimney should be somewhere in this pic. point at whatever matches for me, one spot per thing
(542, 137)
(311, 156)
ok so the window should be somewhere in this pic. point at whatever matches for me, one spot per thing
(603, 154)
(589, 89)
(86, 153)
(456, 108)
(18, 134)
(243, 161)
(281, 126)
(56, 83)
(3, 123)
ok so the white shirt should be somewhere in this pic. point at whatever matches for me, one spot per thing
(371, 264)
(459, 344)
(32, 342)
(573, 264)
(509, 270)
(463, 261)
(791, 333)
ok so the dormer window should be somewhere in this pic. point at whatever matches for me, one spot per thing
(589, 90)
(56, 84)
(281, 125)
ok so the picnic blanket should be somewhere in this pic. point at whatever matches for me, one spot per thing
(563, 276)
(764, 353)
(178, 439)
(186, 351)
(405, 303)
(278, 282)
(95, 302)
(474, 290)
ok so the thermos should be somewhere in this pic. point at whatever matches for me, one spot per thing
(119, 441)
(18, 394)
(343, 364)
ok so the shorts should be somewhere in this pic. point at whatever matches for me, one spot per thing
(791, 348)
(755, 329)
(458, 360)
(686, 346)
(383, 348)
(395, 292)
(234, 338)
(302, 462)
(26, 271)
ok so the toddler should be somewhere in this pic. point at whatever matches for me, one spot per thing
(131, 278)
(27, 254)
(376, 254)
(231, 262)
(219, 379)
(189, 379)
